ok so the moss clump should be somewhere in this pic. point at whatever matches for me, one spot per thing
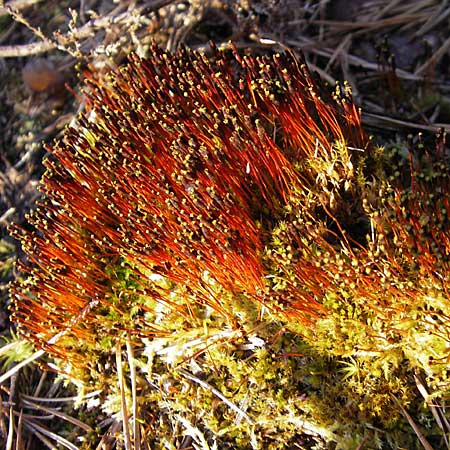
(221, 246)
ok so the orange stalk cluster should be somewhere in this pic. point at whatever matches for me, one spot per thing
(186, 168)
(418, 216)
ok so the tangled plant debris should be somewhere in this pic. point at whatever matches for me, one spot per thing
(231, 216)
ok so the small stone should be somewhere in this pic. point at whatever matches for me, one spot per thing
(42, 75)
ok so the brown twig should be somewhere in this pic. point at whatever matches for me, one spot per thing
(16, 5)
(86, 31)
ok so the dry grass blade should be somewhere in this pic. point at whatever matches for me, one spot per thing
(40, 385)
(202, 341)
(25, 362)
(440, 418)
(218, 394)
(40, 430)
(309, 44)
(195, 434)
(44, 440)
(131, 364)
(10, 439)
(414, 426)
(386, 9)
(435, 19)
(9, 212)
(19, 444)
(60, 414)
(362, 443)
(36, 355)
(11, 346)
(104, 442)
(60, 399)
(3, 430)
(385, 121)
(366, 25)
(434, 59)
(339, 50)
(126, 427)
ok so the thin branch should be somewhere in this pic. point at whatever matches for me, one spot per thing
(14, 51)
